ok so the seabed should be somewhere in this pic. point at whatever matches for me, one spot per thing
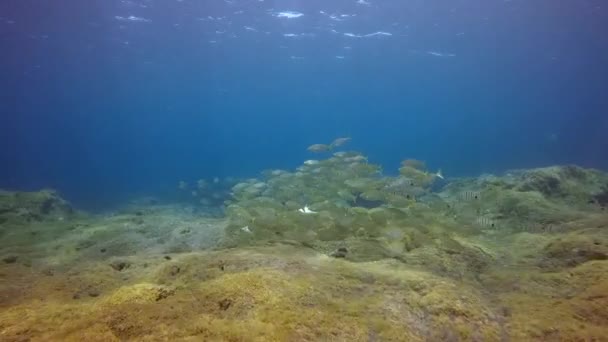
(525, 261)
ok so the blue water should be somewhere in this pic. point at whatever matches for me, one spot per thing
(104, 100)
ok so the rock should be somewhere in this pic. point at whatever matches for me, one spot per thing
(542, 181)
(601, 197)
(33, 206)
(11, 259)
(563, 182)
(225, 304)
(139, 294)
(174, 270)
(341, 252)
(119, 265)
(574, 249)
(93, 293)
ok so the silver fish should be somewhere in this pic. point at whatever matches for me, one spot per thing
(470, 195)
(339, 142)
(405, 187)
(541, 228)
(485, 222)
(319, 148)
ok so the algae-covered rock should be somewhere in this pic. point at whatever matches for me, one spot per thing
(563, 181)
(534, 200)
(333, 251)
(450, 257)
(601, 197)
(19, 207)
(139, 294)
(574, 249)
(531, 206)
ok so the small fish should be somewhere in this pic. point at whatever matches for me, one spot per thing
(414, 164)
(400, 182)
(311, 162)
(246, 229)
(306, 210)
(405, 187)
(355, 159)
(319, 148)
(439, 175)
(339, 142)
(470, 195)
(182, 185)
(485, 222)
(540, 228)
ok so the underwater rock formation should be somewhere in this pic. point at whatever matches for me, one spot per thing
(284, 292)
(332, 251)
(23, 207)
(532, 200)
(575, 248)
(601, 197)
(565, 182)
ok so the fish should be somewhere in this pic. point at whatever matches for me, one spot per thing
(246, 229)
(438, 174)
(355, 159)
(306, 210)
(339, 142)
(485, 222)
(405, 187)
(541, 228)
(311, 162)
(319, 148)
(401, 182)
(182, 185)
(470, 195)
(414, 164)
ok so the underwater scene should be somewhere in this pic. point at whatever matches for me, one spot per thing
(303, 170)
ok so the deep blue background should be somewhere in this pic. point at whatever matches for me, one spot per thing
(103, 109)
